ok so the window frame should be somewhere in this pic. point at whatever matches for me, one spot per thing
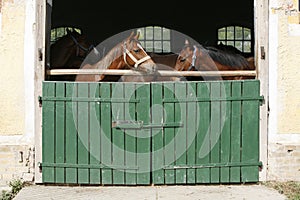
(152, 43)
(234, 41)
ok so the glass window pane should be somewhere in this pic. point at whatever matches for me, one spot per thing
(149, 33)
(247, 46)
(230, 33)
(60, 32)
(166, 34)
(78, 30)
(247, 34)
(166, 47)
(239, 45)
(157, 46)
(238, 33)
(222, 34)
(157, 33)
(149, 46)
(230, 43)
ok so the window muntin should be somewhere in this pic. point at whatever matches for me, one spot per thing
(237, 36)
(155, 39)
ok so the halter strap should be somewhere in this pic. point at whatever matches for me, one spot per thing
(136, 62)
(194, 57)
(79, 46)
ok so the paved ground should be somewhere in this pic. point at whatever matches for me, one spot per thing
(199, 192)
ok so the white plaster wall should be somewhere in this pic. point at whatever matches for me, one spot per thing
(17, 60)
(284, 74)
(12, 68)
(284, 92)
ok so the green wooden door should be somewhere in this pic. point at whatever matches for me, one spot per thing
(90, 133)
(144, 133)
(218, 141)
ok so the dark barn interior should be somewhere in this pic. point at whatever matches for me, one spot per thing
(102, 20)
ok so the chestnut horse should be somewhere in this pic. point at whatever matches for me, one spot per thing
(164, 61)
(68, 52)
(128, 54)
(197, 57)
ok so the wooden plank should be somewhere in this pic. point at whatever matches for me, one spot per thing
(106, 134)
(250, 131)
(236, 117)
(225, 131)
(202, 137)
(71, 133)
(83, 133)
(157, 113)
(94, 139)
(60, 133)
(251, 73)
(169, 133)
(130, 137)
(48, 131)
(192, 125)
(143, 135)
(180, 137)
(118, 135)
(215, 131)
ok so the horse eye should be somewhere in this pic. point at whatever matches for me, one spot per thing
(182, 60)
(136, 50)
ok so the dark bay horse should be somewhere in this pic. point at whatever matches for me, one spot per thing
(128, 54)
(200, 58)
(68, 52)
(234, 50)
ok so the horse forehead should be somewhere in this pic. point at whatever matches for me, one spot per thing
(135, 43)
(186, 52)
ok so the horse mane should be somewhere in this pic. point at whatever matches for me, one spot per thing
(109, 57)
(114, 53)
(234, 60)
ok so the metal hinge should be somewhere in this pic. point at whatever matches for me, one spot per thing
(40, 54)
(40, 99)
(262, 53)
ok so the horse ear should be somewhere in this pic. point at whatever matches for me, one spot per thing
(69, 31)
(131, 34)
(186, 42)
(137, 35)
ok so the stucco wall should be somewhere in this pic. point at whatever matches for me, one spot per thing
(12, 67)
(16, 114)
(288, 71)
(284, 76)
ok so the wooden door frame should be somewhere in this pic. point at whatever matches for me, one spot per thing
(40, 62)
(261, 30)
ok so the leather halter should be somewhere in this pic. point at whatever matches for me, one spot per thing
(136, 62)
(79, 46)
(194, 57)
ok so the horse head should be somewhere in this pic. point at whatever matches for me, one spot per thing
(186, 59)
(70, 50)
(135, 56)
(195, 58)
(81, 46)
